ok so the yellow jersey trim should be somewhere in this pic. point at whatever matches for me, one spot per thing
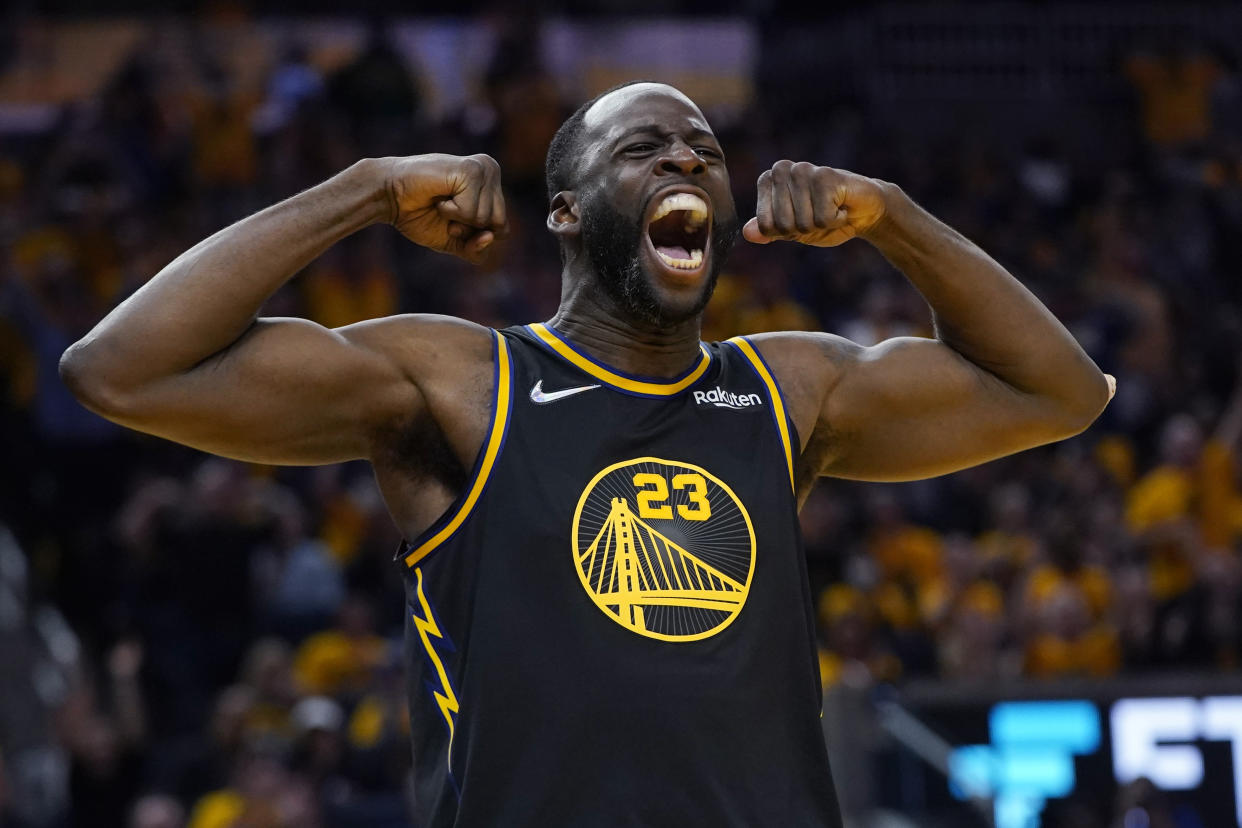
(500, 422)
(774, 391)
(632, 384)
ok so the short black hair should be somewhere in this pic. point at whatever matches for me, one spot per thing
(558, 169)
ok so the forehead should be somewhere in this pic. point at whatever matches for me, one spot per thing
(642, 104)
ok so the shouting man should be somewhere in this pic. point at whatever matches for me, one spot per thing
(609, 621)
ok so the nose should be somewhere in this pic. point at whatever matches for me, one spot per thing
(681, 158)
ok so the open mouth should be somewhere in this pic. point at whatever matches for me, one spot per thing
(678, 231)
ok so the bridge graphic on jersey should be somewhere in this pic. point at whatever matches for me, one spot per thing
(631, 565)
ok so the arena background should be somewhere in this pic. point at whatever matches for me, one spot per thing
(1052, 639)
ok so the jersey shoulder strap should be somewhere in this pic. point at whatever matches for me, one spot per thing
(780, 415)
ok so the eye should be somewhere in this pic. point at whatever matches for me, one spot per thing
(641, 147)
(710, 152)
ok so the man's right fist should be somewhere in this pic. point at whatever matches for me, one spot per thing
(446, 202)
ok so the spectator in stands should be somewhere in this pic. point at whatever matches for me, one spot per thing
(342, 660)
(378, 94)
(1176, 87)
(852, 651)
(157, 811)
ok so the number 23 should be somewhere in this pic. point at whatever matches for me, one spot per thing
(653, 496)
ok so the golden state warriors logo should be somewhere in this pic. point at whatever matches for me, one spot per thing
(664, 548)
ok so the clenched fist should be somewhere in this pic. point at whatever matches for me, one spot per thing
(814, 205)
(447, 203)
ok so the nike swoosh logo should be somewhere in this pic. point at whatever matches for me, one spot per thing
(537, 395)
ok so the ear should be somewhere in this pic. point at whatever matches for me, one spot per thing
(563, 215)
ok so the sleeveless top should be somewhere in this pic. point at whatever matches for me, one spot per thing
(612, 625)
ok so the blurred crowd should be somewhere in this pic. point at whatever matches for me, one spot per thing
(191, 642)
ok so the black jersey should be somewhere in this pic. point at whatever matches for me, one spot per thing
(612, 625)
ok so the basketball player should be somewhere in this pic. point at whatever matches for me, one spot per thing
(608, 619)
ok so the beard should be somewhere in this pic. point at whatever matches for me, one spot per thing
(611, 241)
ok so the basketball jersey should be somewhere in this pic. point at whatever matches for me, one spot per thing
(612, 624)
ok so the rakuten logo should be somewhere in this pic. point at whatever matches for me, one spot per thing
(726, 399)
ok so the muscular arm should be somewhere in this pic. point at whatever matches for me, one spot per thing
(185, 357)
(1002, 374)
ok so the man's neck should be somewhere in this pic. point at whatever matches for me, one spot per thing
(635, 348)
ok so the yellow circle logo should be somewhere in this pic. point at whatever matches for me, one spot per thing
(664, 548)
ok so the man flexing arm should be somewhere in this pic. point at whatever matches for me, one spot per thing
(186, 358)
(1002, 374)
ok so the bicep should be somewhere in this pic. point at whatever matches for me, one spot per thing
(288, 391)
(911, 408)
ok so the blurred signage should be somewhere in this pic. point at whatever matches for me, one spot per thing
(1044, 750)
(1030, 758)
(1159, 739)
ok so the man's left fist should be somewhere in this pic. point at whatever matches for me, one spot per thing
(814, 205)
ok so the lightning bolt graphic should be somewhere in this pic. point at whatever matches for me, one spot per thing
(427, 628)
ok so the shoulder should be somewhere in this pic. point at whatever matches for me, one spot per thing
(418, 328)
(424, 344)
(800, 346)
(807, 366)
(443, 361)
(806, 362)
(448, 362)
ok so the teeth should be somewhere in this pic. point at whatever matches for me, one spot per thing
(694, 207)
(696, 259)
